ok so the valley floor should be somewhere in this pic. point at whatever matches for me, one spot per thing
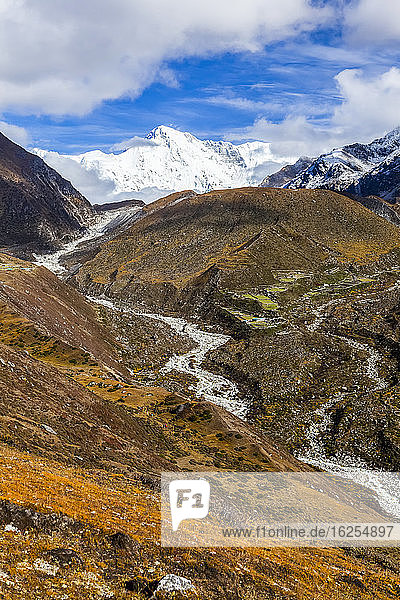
(238, 365)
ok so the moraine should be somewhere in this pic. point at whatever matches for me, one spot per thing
(210, 386)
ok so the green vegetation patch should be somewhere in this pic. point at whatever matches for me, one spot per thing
(253, 320)
(345, 284)
(290, 276)
(265, 301)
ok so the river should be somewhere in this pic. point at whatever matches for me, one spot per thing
(209, 386)
(222, 392)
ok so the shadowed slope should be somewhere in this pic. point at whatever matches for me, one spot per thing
(38, 207)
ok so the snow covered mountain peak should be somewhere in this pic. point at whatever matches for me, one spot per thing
(165, 161)
(160, 130)
(163, 132)
(362, 169)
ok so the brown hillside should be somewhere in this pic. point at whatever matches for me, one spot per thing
(239, 236)
(38, 207)
(306, 281)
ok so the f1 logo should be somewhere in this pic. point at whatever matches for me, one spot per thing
(189, 499)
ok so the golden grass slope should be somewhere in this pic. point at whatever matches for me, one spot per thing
(93, 505)
(57, 308)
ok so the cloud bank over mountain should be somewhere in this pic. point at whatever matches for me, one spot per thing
(67, 57)
(165, 161)
(307, 75)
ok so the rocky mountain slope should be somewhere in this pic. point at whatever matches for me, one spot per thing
(168, 160)
(90, 413)
(287, 173)
(362, 169)
(38, 208)
(306, 282)
(383, 180)
(101, 208)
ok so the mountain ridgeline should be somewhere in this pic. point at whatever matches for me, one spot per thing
(287, 173)
(39, 209)
(361, 169)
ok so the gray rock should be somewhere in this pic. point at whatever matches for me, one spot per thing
(174, 583)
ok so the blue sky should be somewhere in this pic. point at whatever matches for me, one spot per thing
(304, 81)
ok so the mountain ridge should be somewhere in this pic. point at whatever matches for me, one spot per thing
(287, 173)
(363, 169)
(167, 161)
(39, 208)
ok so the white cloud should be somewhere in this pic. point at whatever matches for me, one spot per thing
(60, 57)
(293, 137)
(376, 22)
(133, 142)
(369, 108)
(95, 189)
(240, 103)
(88, 183)
(17, 134)
(370, 104)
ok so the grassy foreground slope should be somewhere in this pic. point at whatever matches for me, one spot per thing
(51, 507)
